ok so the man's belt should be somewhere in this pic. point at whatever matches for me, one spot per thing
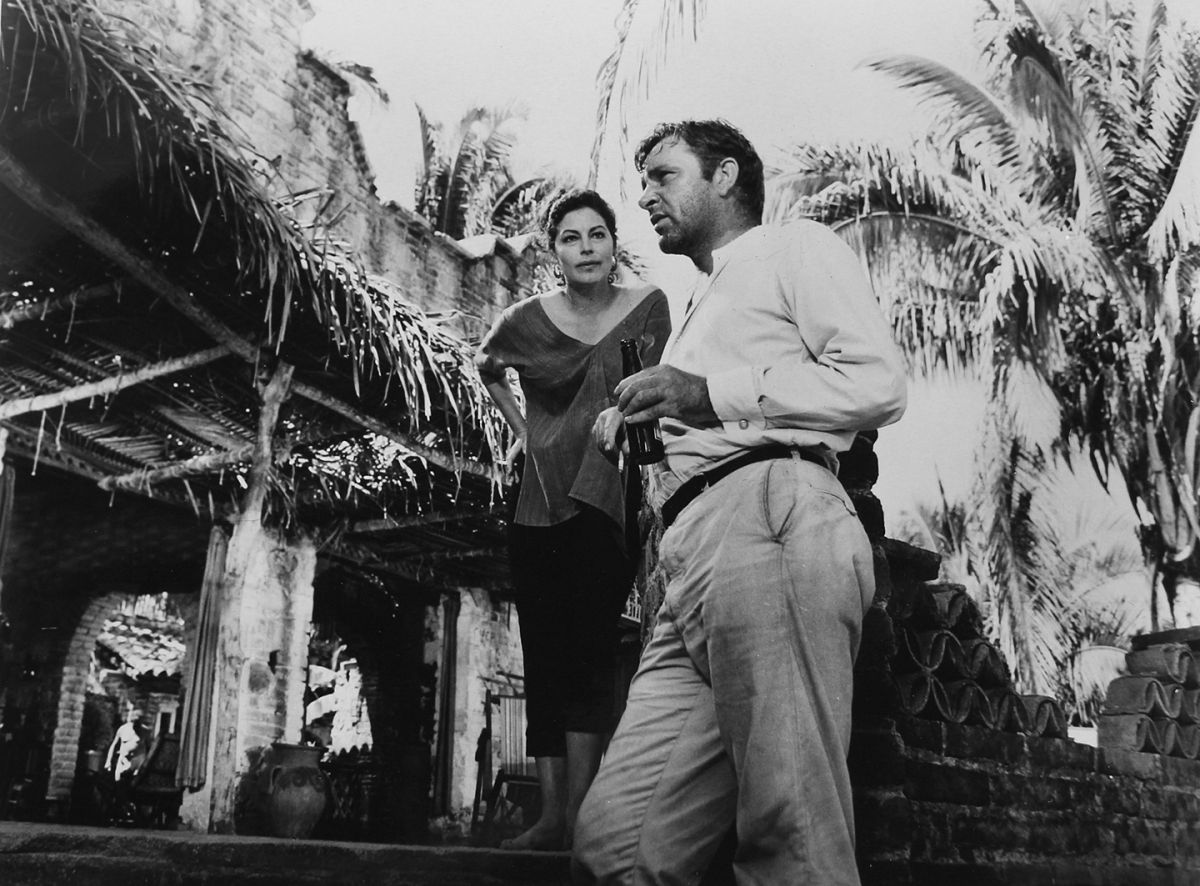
(688, 491)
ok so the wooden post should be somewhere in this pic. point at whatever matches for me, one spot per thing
(6, 503)
(262, 646)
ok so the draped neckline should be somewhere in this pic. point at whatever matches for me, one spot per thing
(545, 315)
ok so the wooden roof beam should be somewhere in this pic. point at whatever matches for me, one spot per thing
(54, 206)
(433, 518)
(66, 215)
(423, 581)
(136, 481)
(424, 558)
(111, 385)
(56, 303)
(375, 426)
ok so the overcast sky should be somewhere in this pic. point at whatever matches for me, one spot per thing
(783, 70)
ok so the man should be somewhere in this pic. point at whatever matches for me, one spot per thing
(740, 710)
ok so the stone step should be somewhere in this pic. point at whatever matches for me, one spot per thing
(57, 855)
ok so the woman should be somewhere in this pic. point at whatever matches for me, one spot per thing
(570, 565)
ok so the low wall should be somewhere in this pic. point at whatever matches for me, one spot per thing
(941, 803)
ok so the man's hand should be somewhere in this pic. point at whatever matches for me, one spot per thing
(609, 433)
(665, 392)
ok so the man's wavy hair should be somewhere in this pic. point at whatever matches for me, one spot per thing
(712, 141)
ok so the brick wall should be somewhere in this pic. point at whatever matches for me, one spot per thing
(945, 803)
(72, 690)
(938, 801)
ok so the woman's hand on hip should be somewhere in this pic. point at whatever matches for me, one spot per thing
(514, 452)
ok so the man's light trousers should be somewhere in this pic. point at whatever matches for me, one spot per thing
(740, 709)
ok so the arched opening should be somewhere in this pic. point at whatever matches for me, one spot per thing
(127, 653)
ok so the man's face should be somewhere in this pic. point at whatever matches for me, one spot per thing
(680, 200)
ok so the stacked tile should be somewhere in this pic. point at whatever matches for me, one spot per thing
(945, 670)
(1157, 707)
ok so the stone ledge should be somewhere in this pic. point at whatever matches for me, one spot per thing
(1023, 874)
(36, 854)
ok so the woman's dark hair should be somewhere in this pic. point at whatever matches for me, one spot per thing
(578, 198)
(712, 141)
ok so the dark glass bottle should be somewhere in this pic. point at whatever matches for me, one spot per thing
(645, 441)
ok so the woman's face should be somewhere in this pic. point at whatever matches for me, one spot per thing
(584, 247)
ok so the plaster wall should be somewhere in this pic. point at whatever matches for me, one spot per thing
(489, 644)
(267, 598)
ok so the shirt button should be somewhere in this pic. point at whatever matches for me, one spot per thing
(743, 423)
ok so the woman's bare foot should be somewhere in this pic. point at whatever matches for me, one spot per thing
(544, 836)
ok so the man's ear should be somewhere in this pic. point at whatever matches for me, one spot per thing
(725, 176)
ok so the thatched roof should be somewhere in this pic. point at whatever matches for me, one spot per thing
(149, 283)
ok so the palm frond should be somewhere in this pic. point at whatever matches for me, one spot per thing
(1007, 548)
(967, 106)
(173, 125)
(518, 210)
(1152, 52)
(1176, 228)
(1040, 89)
(461, 184)
(921, 270)
(644, 41)
(432, 180)
(1048, 18)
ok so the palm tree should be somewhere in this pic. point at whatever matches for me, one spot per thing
(645, 35)
(1052, 223)
(1050, 593)
(466, 186)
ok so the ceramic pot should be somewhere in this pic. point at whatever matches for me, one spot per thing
(297, 790)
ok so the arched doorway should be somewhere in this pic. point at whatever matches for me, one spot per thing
(127, 652)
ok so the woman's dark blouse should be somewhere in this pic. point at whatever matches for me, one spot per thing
(566, 384)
